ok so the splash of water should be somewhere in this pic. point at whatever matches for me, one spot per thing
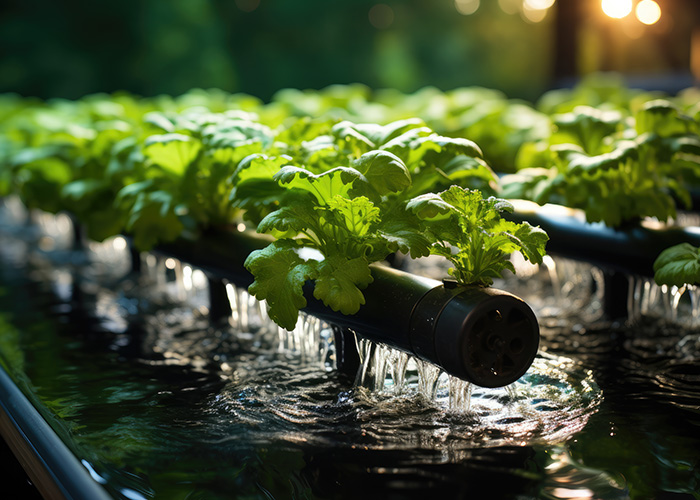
(678, 305)
(311, 339)
(547, 392)
(552, 399)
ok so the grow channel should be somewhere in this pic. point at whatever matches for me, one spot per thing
(155, 400)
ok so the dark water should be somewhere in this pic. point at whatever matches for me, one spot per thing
(159, 403)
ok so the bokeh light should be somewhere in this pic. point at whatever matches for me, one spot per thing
(538, 4)
(381, 16)
(534, 11)
(617, 9)
(467, 7)
(648, 12)
(510, 6)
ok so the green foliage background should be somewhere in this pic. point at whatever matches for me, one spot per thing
(75, 47)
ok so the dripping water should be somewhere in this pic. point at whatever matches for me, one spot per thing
(677, 305)
(460, 395)
(383, 370)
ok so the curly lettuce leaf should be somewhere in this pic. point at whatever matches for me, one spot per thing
(280, 275)
(468, 231)
(153, 219)
(328, 215)
(355, 215)
(340, 281)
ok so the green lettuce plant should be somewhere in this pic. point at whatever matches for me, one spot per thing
(468, 230)
(331, 213)
(616, 169)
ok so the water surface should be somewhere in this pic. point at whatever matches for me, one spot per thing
(158, 402)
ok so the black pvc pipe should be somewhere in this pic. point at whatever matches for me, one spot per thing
(630, 250)
(486, 336)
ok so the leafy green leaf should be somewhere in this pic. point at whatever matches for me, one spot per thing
(403, 232)
(663, 118)
(323, 186)
(526, 239)
(384, 171)
(623, 151)
(280, 275)
(172, 152)
(291, 218)
(258, 166)
(234, 133)
(356, 215)
(159, 120)
(152, 220)
(305, 130)
(678, 265)
(339, 283)
(429, 206)
(40, 183)
(588, 127)
(364, 137)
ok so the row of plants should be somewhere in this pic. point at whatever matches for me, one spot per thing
(356, 175)
(585, 147)
(354, 193)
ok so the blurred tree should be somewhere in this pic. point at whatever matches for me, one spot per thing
(75, 47)
(181, 44)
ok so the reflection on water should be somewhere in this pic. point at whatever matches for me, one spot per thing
(163, 403)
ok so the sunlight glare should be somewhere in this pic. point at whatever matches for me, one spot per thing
(617, 9)
(648, 12)
(533, 14)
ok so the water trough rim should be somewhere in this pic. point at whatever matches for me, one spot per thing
(47, 460)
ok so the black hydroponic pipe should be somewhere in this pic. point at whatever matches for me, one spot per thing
(631, 250)
(483, 335)
(620, 253)
(486, 336)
